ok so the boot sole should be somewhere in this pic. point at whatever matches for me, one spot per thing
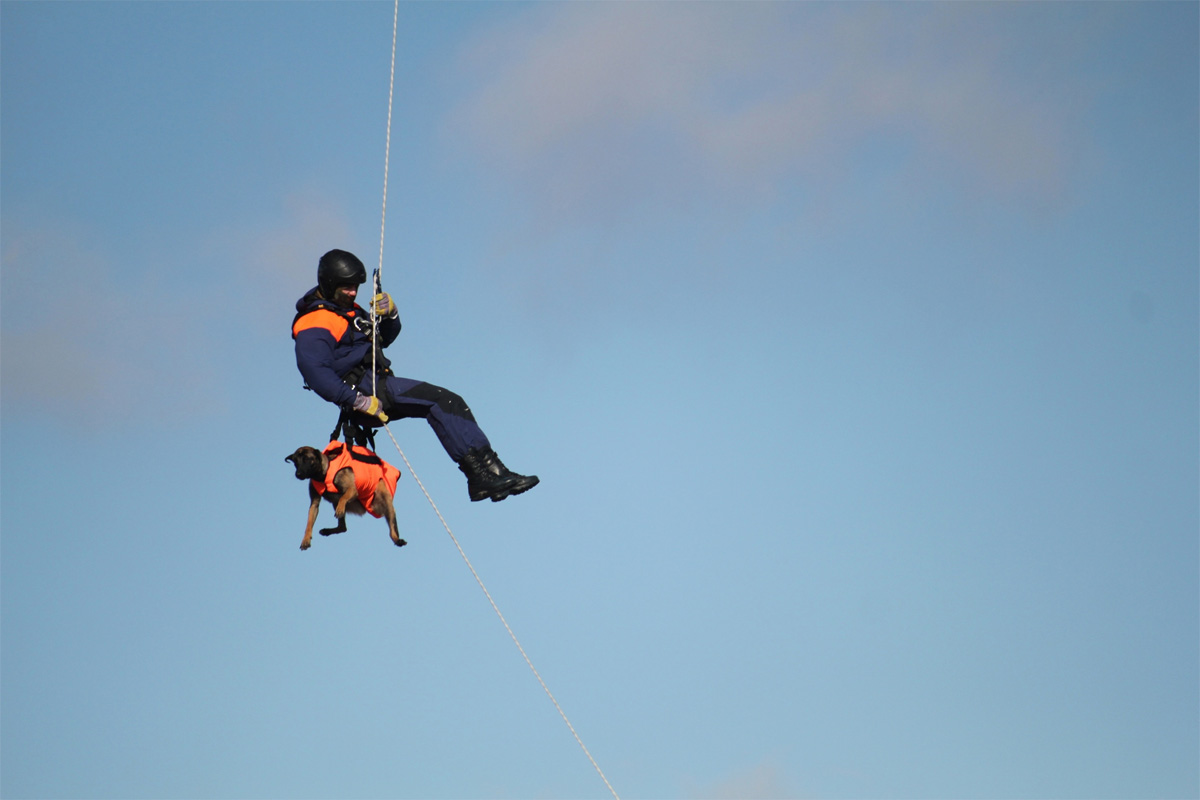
(519, 488)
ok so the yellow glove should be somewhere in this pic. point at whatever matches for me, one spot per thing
(370, 406)
(383, 305)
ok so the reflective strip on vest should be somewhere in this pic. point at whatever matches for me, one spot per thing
(325, 319)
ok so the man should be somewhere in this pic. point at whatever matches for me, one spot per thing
(334, 354)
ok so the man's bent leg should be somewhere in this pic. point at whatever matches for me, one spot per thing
(461, 437)
(447, 414)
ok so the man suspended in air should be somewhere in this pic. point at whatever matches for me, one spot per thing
(334, 354)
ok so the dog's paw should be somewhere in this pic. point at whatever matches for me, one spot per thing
(307, 543)
(399, 542)
(330, 531)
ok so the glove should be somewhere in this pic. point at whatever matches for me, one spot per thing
(370, 406)
(383, 305)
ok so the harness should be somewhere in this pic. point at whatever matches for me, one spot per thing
(352, 427)
(355, 427)
(368, 470)
(356, 320)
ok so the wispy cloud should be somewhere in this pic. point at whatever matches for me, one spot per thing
(96, 338)
(283, 256)
(89, 341)
(597, 105)
(763, 781)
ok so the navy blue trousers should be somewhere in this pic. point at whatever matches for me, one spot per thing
(446, 412)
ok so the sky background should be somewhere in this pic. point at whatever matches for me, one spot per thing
(855, 345)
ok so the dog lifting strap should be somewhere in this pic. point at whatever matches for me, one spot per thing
(353, 431)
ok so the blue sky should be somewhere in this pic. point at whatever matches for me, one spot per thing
(855, 346)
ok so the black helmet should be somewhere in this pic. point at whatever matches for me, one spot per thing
(339, 268)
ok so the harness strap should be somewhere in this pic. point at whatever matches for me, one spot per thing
(352, 431)
(355, 455)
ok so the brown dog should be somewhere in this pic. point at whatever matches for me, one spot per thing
(358, 487)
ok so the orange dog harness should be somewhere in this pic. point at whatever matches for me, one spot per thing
(369, 469)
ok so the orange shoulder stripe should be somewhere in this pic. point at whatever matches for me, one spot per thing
(322, 318)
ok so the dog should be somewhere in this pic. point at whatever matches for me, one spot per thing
(361, 482)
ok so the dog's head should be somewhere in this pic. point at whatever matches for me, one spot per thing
(309, 463)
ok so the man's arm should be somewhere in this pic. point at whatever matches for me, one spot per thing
(389, 329)
(314, 358)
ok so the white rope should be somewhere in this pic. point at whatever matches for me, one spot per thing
(374, 390)
(387, 152)
(496, 608)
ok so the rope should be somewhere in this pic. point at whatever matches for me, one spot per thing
(374, 389)
(496, 608)
(387, 152)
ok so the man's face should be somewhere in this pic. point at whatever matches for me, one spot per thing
(344, 295)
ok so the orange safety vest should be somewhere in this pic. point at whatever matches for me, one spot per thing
(336, 322)
(368, 469)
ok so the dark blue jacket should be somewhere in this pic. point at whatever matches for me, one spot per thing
(331, 341)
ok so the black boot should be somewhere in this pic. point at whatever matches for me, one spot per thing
(488, 477)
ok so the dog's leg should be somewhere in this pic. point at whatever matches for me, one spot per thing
(313, 507)
(341, 528)
(344, 481)
(383, 502)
